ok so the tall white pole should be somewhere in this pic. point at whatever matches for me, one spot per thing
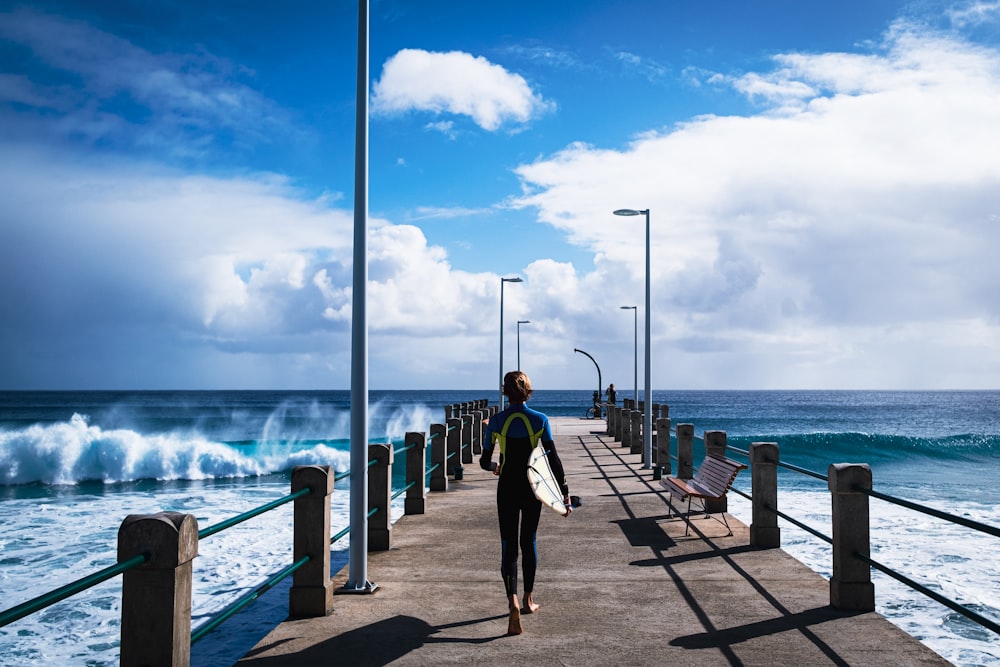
(647, 427)
(500, 403)
(647, 434)
(358, 556)
(519, 323)
(635, 352)
(515, 279)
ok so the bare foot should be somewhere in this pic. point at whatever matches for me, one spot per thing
(514, 622)
(530, 606)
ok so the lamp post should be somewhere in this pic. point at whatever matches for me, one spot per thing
(357, 581)
(647, 426)
(635, 355)
(519, 323)
(515, 279)
(598, 392)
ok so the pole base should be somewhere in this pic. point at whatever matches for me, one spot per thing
(350, 589)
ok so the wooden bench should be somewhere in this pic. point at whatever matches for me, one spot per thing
(712, 481)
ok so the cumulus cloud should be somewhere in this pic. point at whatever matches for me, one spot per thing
(455, 83)
(856, 210)
(196, 272)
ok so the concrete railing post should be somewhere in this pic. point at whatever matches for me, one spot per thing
(851, 586)
(612, 416)
(416, 474)
(439, 457)
(685, 451)
(454, 458)
(156, 596)
(764, 531)
(635, 432)
(478, 417)
(715, 444)
(311, 593)
(380, 496)
(621, 419)
(663, 445)
(467, 420)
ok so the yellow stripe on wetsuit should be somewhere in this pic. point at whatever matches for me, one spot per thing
(502, 435)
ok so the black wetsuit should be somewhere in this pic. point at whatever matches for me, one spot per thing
(517, 507)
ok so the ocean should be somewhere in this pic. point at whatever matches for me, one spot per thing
(74, 464)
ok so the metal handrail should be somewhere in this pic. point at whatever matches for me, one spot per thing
(920, 588)
(240, 518)
(930, 511)
(226, 613)
(372, 512)
(401, 491)
(48, 599)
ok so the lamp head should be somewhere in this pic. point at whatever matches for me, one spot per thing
(627, 211)
(515, 279)
(627, 307)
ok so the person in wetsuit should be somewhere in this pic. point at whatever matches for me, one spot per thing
(514, 432)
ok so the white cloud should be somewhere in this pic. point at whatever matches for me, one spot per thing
(143, 267)
(455, 83)
(974, 13)
(845, 238)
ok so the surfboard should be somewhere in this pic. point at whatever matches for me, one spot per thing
(543, 482)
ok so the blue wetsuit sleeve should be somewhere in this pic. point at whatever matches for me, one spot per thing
(556, 464)
(485, 459)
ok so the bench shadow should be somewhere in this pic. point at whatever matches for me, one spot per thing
(645, 532)
(800, 621)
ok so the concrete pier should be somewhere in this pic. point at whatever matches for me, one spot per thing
(619, 584)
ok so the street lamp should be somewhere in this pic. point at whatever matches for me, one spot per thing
(515, 279)
(519, 323)
(597, 394)
(647, 426)
(635, 355)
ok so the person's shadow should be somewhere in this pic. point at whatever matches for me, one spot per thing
(377, 644)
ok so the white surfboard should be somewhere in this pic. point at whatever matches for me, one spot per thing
(543, 482)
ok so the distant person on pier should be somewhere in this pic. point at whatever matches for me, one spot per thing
(611, 394)
(517, 430)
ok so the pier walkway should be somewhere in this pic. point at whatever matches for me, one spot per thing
(618, 584)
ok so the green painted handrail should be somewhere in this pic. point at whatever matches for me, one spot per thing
(218, 619)
(59, 594)
(228, 523)
(372, 512)
(402, 490)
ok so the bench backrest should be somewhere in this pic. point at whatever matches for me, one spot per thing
(717, 473)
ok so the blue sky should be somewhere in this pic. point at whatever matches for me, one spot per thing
(823, 180)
